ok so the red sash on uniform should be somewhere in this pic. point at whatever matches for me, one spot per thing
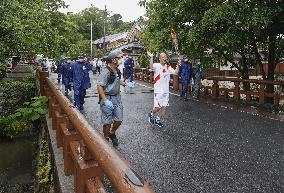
(158, 77)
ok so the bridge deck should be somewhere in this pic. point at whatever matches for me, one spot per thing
(202, 148)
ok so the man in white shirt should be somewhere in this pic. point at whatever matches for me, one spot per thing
(162, 72)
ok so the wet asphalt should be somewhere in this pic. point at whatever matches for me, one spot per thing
(201, 148)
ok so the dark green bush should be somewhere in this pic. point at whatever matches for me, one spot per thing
(23, 118)
(2, 71)
(15, 93)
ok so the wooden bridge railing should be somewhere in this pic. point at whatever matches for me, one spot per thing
(258, 90)
(86, 154)
(215, 90)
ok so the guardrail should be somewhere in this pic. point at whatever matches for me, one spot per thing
(215, 90)
(86, 154)
(258, 90)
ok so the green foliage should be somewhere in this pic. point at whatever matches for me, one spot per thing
(38, 27)
(34, 110)
(228, 28)
(10, 127)
(2, 71)
(144, 60)
(15, 93)
(31, 26)
(23, 119)
(44, 164)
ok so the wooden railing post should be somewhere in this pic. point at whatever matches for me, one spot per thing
(54, 114)
(85, 153)
(42, 77)
(60, 119)
(215, 89)
(175, 82)
(237, 91)
(261, 94)
(84, 169)
(151, 76)
(69, 135)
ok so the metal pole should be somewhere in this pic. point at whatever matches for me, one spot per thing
(91, 38)
(104, 42)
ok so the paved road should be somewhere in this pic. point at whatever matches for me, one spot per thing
(202, 148)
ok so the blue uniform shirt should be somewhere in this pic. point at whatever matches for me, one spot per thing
(185, 71)
(80, 75)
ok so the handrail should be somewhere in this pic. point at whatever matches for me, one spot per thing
(221, 78)
(215, 90)
(120, 173)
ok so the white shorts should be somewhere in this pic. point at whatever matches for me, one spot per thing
(161, 99)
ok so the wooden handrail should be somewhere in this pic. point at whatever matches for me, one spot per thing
(221, 78)
(120, 173)
(215, 89)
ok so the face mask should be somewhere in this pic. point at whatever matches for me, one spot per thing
(120, 61)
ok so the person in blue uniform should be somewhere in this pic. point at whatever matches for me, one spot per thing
(128, 69)
(197, 77)
(185, 74)
(66, 77)
(81, 80)
(59, 69)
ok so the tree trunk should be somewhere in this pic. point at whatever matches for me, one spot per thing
(271, 65)
(245, 70)
(258, 60)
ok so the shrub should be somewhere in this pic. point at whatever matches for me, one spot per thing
(23, 118)
(2, 71)
(15, 93)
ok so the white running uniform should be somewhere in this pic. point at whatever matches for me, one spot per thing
(161, 84)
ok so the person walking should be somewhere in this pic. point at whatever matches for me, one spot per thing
(98, 65)
(197, 77)
(66, 76)
(162, 72)
(108, 86)
(185, 74)
(81, 80)
(128, 69)
(59, 69)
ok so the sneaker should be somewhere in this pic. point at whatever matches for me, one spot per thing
(159, 123)
(151, 118)
(113, 139)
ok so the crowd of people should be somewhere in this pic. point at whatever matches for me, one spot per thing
(112, 72)
(115, 71)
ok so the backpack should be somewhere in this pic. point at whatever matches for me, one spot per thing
(111, 79)
(112, 75)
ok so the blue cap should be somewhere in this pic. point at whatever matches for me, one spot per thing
(113, 55)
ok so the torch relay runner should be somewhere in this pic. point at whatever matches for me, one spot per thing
(162, 72)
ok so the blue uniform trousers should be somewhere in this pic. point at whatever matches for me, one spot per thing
(184, 92)
(79, 96)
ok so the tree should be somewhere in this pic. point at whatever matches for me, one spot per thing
(236, 31)
(27, 26)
